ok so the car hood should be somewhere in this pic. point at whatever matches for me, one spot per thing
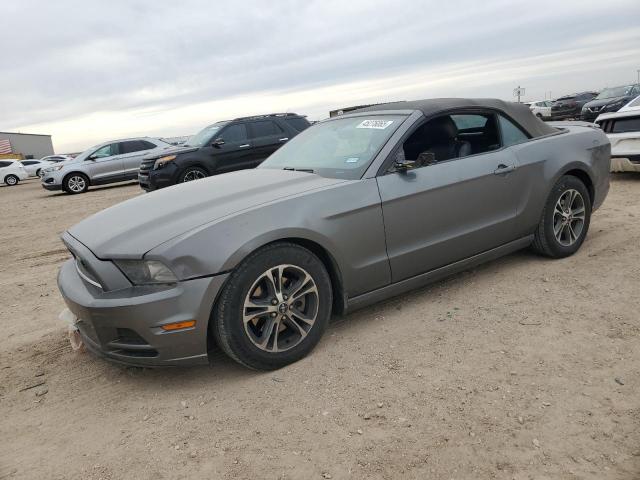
(603, 101)
(132, 228)
(170, 151)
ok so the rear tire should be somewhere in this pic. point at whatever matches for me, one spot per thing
(75, 183)
(565, 219)
(263, 328)
(11, 180)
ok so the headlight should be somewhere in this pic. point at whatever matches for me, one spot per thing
(52, 169)
(145, 272)
(162, 161)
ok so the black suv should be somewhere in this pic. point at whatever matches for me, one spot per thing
(219, 148)
(609, 100)
(570, 106)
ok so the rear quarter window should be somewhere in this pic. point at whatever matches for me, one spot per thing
(264, 128)
(298, 124)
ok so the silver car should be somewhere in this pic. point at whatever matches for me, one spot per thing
(108, 162)
(353, 210)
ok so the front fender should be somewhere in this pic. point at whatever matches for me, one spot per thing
(345, 220)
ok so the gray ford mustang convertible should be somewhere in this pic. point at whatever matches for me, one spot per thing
(355, 209)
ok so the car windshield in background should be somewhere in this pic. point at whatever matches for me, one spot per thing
(204, 135)
(341, 148)
(614, 92)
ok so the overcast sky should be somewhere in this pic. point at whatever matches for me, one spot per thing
(88, 71)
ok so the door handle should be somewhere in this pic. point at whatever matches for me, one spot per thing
(284, 139)
(246, 145)
(502, 169)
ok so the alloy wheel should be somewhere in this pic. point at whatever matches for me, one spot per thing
(569, 217)
(11, 180)
(76, 184)
(280, 308)
(193, 175)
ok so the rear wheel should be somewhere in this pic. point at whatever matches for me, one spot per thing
(11, 180)
(76, 183)
(274, 307)
(192, 173)
(565, 219)
(38, 172)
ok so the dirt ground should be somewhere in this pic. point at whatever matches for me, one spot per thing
(524, 368)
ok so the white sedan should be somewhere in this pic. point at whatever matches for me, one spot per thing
(33, 167)
(541, 109)
(12, 171)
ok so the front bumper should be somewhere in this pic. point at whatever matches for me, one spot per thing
(124, 325)
(151, 180)
(630, 163)
(51, 180)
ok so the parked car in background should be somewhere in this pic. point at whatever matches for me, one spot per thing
(570, 106)
(623, 130)
(12, 171)
(355, 209)
(219, 148)
(108, 162)
(34, 167)
(55, 158)
(609, 100)
(541, 108)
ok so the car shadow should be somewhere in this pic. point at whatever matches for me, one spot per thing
(91, 189)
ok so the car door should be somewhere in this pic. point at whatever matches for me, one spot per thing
(266, 137)
(131, 152)
(453, 209)
(105, 164)
(234, 152)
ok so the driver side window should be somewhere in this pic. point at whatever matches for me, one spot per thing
(106, 151)
(449, 137)
(235, 133)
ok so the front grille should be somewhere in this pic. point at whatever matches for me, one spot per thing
(147, 165)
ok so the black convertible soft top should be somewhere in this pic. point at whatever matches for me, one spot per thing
(519, 112)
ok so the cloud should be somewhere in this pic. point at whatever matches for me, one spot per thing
(91, 71)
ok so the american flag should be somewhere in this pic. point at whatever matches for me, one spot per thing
(5, 146)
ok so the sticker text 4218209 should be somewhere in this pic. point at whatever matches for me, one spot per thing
(375, 124)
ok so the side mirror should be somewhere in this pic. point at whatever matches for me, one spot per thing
(92, 158)
(218, 142)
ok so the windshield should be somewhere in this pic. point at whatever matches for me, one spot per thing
(204, 136)
(341, 148)
(614, 92)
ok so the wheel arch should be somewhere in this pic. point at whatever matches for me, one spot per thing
(194, 162)
(583, 175)
(306, 240)
(338, 290)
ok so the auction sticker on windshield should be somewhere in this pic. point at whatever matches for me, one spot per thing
(376, 124)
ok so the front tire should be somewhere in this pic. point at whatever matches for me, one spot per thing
(274, 307)
(192, 173)
(565, 219)
(75, 183)
(11, 180)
